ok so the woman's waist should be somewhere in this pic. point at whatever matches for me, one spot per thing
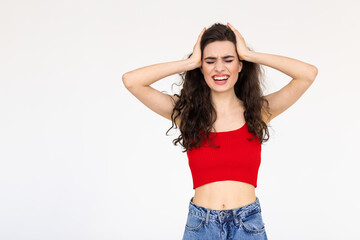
(224, 195)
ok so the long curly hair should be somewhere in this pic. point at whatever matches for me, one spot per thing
(194, 106)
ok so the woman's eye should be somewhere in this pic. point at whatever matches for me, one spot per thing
(225, 61)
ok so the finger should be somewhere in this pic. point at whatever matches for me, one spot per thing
(232, 28)
(200, 35)
(202, 32)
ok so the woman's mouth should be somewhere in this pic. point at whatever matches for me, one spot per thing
(220, 80)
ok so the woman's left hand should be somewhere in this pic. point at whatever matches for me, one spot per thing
(240, 43)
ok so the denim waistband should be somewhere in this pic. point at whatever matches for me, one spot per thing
(226, 214)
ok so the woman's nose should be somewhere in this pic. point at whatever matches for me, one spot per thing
(219, 66)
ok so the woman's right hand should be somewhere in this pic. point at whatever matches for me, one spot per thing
(196, 55)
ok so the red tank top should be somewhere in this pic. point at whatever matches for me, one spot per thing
(236, 159)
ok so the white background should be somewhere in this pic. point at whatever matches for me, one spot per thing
(82, 158)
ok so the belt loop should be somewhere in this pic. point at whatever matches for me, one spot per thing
(219, 216)
(207, 216)
(235, 218)
(258, 202)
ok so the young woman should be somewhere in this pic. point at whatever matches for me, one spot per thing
(222, 116)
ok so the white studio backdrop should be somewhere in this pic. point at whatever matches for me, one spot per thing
(82, 158)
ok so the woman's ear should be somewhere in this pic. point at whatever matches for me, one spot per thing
(240, 66)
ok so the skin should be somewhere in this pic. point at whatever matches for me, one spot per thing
(227, 194)
(223, 96)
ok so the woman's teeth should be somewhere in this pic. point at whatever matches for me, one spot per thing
(221, 79)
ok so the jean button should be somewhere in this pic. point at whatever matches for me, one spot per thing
(222, 214)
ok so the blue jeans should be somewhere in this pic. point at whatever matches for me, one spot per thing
(239, 223)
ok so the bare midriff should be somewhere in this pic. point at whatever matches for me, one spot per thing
(223, 195)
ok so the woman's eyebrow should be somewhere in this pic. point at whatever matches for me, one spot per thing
(228, 56)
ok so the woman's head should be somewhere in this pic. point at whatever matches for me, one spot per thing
(195, 107)
(220, 65)
(217, 42)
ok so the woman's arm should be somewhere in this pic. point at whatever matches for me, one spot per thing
(146, 76)
(139, 80)
(303, 75)
(291, 67)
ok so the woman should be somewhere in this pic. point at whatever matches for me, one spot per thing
(222, 116)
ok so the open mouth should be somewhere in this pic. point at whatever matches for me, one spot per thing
(219, 79)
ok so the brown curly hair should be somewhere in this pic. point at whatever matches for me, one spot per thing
(195, 109)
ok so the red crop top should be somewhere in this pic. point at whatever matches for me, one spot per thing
(236, 159)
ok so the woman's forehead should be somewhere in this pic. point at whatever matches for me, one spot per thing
(219, 49)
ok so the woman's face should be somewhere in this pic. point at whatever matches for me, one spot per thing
(220, 59)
